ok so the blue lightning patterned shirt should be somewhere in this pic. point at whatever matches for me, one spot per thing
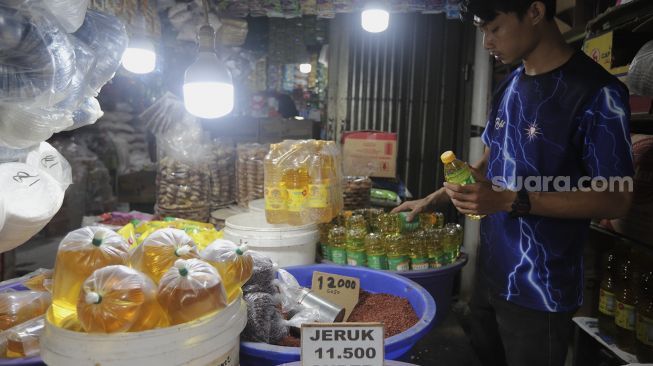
(571, 122)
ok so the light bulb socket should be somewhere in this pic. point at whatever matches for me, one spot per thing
(206, 38)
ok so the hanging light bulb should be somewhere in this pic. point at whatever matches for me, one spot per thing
(375, 18)
(140, 56)
(208, 87)
(305, 68)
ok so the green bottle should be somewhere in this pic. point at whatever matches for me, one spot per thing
(458, 172)
(338, 245)
(356, 232)
(375, 250)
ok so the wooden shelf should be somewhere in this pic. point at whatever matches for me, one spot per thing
(634, 12)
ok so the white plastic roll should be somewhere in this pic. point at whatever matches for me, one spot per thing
(47, 159)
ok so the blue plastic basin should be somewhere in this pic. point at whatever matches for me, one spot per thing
(262, 354)
(439, 283)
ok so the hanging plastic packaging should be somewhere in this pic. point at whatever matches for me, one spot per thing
(190, 290)
(47, 159)
(80, 253)
(78, 88)
(640, 74)
(119, 299)
(23, 339)
(156, 254)
(88, 113)
(37, 61)
(17, 307)
(70, 13)
(22, 127)
(234, 264)
(107, 37)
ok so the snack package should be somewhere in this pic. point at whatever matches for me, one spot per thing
(234, 264)
(190, 290)
(156, 254)
(80, 253)
(17, 307)
(119, 299)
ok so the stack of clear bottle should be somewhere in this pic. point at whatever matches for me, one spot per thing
(387, 241)
(302, 182)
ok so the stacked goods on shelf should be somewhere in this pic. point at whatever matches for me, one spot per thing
(357, 192)
(222, 173)
(249, 172)
(302, 182)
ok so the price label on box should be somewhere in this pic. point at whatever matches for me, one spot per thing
(342, 344)
(340, 290)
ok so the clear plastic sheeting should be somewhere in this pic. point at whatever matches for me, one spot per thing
(70, 13)
(107, 36)
(17, 307)
(22, 127)
(88, 113)
(23, 340)
(38, 61)
(640, 74)
(78, 88)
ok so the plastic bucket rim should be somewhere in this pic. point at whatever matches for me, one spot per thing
(274, 229)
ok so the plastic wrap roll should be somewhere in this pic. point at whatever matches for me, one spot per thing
(38, 61)
(640, 75)
(70, 13)
(47, 159)
(78, 88)
(107, 37)
(22, 126)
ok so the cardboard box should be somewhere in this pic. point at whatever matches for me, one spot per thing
(615, 50)
(370, 153)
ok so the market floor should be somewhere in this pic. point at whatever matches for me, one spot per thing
(445, 345)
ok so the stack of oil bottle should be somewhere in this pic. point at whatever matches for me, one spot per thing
(387, 241)
(625, 310)
(302, 182)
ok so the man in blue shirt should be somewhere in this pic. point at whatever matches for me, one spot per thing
(557, 154)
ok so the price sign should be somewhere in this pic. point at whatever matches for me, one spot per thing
(342, 344)
(340, 290)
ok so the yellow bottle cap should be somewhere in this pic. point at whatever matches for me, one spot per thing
(447, 157)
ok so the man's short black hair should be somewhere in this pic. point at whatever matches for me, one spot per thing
(487, 10)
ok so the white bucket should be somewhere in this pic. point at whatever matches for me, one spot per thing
(257, 205)
(285, 244)
(211, 340)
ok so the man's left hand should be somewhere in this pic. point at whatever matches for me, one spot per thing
(480, 198)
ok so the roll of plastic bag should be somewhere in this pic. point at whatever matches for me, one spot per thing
(70, 13)
(107, 37)
(22, 126)
(38, 61)
(87, 114)
(47, 159)
(640, 74)
(31, 198)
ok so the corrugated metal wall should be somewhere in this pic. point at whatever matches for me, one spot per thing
(414, 79)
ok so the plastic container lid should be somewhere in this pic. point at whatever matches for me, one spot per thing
(255, 221)
(257, 205)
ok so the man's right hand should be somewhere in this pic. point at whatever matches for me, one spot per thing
(415, 207)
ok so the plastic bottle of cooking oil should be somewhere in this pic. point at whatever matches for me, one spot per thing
(23, 340)
(324, 240)
(452, 241)
(644, 319)
(16, 307)
(356, 231)
(419, 258)
(338, 244)
(395, 244)
(119, 299)
(234, 264)
(375, 250)
(295, 178)
(156, 254)
(276, 210)
(318, 201)
(191, 289)
(435, 247)
(607, 301)
(80, 253)
(457, 172)
(624, 316)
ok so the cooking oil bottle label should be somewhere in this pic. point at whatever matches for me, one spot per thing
(624, 316)
(318, 196)
(296, 199)
(461, 177)
(377, 261)
(275, 198)
(401, 263)
(355, 243)
(356, 258)
(645, 329)
(434, 263)
(326, 251)
(417, 264)
(339, 256)
(606, 302)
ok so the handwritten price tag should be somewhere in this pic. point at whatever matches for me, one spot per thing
(340, 290)
(342, 344)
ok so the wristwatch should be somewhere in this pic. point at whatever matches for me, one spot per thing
(521, 206)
